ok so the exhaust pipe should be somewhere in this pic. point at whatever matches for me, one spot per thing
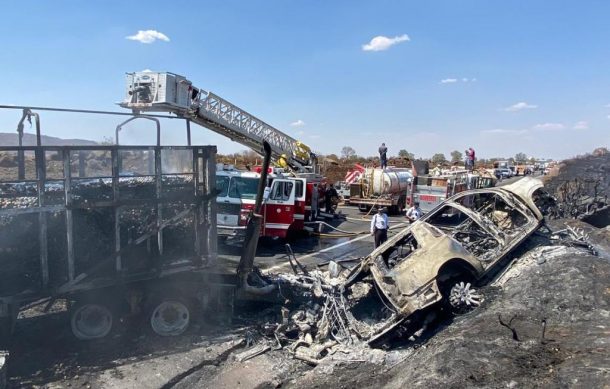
(253, 232)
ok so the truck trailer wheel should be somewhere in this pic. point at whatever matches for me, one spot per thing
(170, 316)
(90, 320)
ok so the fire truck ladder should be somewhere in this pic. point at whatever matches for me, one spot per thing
(168, 92)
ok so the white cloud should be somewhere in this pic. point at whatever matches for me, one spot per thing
(520, 106)
(380, 43)
(148, 36)
(454, 80)
(298, 123)
(549, 126)
(503, 131)
(607, 105)
(581, 125)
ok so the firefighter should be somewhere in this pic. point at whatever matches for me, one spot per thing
(330, 198)
(379, 227)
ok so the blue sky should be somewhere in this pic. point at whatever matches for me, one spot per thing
(503, 77)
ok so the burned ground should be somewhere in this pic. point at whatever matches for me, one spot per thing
(546, 325)
(543, 323)
(582, 187)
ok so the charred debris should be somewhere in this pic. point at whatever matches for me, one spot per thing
(332, 316)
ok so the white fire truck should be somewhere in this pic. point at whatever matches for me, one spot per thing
(237, 192)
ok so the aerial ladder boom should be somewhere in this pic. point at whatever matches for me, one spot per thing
(169, 92)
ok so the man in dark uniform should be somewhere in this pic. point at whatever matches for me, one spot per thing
(383, 156)
(330, 193)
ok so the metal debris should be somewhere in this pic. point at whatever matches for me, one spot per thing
(252, 352)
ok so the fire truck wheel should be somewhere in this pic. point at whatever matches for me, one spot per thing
(91, 320)
(170, 316)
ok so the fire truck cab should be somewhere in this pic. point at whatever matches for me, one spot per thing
(291, 202)
(236, 199)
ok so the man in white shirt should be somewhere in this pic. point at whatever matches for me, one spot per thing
(379, 227)
(414, 213)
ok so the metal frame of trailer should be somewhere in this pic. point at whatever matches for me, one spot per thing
(198, 183)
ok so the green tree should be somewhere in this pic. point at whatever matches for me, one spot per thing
(439, 158)
(405, 154)
(456, 156)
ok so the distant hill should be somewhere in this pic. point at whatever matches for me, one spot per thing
(11, 139)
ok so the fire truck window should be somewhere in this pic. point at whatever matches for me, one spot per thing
(222, 184)
(243, 187)
(281, 191)
(299, 188)
(287, 190)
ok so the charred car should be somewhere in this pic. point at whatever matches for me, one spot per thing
(440, 257)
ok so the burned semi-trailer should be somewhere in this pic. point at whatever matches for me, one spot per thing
(112, 230)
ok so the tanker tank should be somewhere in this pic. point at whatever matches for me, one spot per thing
(388, 181)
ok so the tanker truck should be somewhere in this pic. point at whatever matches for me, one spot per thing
(381, 188)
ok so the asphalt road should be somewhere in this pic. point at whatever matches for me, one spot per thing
(342, 238)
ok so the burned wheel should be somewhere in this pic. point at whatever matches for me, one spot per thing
(462, 297)
(91, 320)
(170, 317)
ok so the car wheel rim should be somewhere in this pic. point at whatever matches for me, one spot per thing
(170, 318)
(91, 321)
(463, 297)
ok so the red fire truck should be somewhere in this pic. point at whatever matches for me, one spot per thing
(291, 200)
(431, 190)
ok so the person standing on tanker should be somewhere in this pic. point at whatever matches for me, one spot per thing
(383, 156)
(471, 157)
(379, 227)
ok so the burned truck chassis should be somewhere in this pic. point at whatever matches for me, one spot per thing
(57, 193)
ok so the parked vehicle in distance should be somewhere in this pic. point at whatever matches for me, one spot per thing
(502, 173)
(343, 190)
(442, 256)
(430, 191)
